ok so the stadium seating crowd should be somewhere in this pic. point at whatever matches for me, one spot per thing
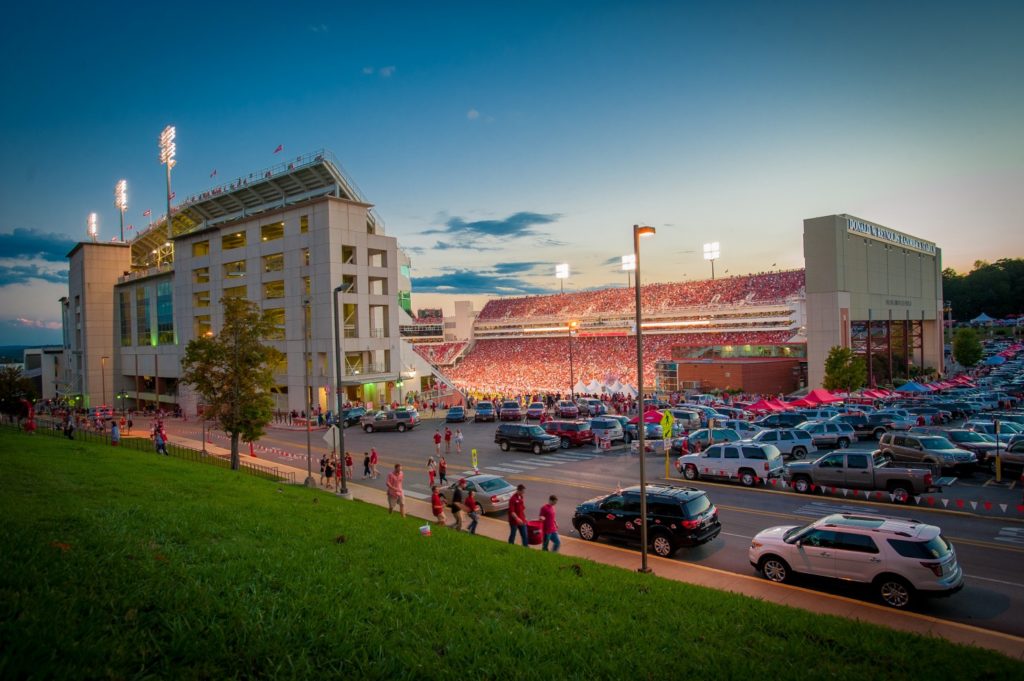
(746, 289)
(440, 354)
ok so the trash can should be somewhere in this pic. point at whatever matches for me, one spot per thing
(535, 531)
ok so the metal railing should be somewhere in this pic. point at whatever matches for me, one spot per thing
(145, 444)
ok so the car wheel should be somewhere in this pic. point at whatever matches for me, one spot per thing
(843, 443)
(879, 433)
(565, 443)
(587, 531)
(802, 485)
(504, 445)
(747, 478)
(690, 472)
(900, 494)
(798, 452)
(662, 545)
(401, 427)
(894, 591)
(774, 569)
(368, 428)
(627, 438)
(536, 448)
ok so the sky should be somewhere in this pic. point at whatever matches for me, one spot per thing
(499, 139)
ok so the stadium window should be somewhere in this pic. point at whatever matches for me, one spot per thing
(305, 285)
(165, 313)
(235, 268)
(272, 232)
(273, 262)
(348, 255)
(201, 275)
(201, 299)
(233, 240)
(236, 292)
(273, 289)
(348, 283)
(200, 248)
(142, 323)
(276, 318)
(125, 307)
(305, 257)
(303, 224)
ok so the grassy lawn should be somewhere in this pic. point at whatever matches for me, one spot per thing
(119, 563)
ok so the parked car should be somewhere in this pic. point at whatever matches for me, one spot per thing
(1012, 459)
(702, 439)
(873, 426)
(525, 436)
(652, 431)
(786, 419)
(982, 446)
(899, 420)
(535, 411)
(863, 470)
(607, 428)
(491, 491)
(676, 517)
(827, 434)
(456, 414)
(595, 407)
(820, 414)
(932, 415)
(399, 419)
(510, 411)
(352, 415)
(570, 433)
(746, 429)
(989, 428)
(684, 420)
(484, 411)
(745, 461)
(901, 559)
(566, 409)
(791, 442)
(927, 449)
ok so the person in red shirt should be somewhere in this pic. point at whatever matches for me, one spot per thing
(550, 529)
(373, 463)
(437, 442)
(473, 509)
(517, 516)
(447, 440)
(437, 506)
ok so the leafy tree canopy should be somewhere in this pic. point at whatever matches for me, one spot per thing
(994, 288)
(966, 347)
(844, 371)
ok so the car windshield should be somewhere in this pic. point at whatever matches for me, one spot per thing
(796, 531)
(936, 443)
(493, 484)
(1009, 426)
(484, 405)
(537, 431)
(509, 405)
(697, 505)
(968, 436)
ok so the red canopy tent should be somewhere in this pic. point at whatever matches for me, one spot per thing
(650, 416)
(779, 405)
(762, 405)
(821, 396)
(803, 402)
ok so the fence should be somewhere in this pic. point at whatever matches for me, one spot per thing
(145, 444)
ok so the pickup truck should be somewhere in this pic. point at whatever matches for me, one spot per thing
(861, 470)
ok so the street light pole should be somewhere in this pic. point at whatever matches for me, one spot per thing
(340, 373)
(639, 231)
(103, 378)
(572, 379)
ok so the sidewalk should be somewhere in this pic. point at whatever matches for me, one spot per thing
(747, 585)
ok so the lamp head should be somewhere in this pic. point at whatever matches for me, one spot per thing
(562, 271)
(644, 230)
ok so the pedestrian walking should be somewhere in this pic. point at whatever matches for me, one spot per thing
(437, 505)
(458, 505)
(431, 471)
(437, 441)
(550, 529)
(396, 497)
(160, 443)
(442, 470)
(473, 510)
(128, 425)
(115, 434)
(323, 467)
(517, 516)
(458, 440)
(366, 465)
(373, 463)
(349, 465)
(329, 472)
(447, 440)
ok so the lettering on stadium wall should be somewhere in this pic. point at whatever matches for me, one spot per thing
(896, 303)
(887, 235)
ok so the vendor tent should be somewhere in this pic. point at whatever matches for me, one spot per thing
(821, 396)
(982, 319)
(912, 387)
(762, 405)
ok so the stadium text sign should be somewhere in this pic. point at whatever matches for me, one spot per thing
(889, 235)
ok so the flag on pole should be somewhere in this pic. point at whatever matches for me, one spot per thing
(146, 213)
(214, 173)
(131, 227)
(172, 195)
(280, 148)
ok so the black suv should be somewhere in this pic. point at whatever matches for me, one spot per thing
(786, 419)
(525, 436)
(865, 426)
(677, 516)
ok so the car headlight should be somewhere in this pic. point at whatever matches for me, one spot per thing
(754, 544)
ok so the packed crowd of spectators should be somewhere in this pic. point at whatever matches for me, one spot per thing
(440, 354)
(762, 287)
(542, 364)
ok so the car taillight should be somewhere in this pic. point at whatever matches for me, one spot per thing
(766, 466)
(936, 568)
(928, 479)
(494, 498)
(690, 524)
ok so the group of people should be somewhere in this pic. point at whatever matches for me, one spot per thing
(448, 437)
(330, 469)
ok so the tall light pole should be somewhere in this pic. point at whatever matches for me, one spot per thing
(628, 265)
(712, 251)
(167, 151)
(90, 226)
(121, 201)
(305, 367)
(562, 273)
(340, 372)
(639, 231)
(573, 325)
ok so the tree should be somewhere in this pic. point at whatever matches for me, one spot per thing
(13, 389)
(233, 371)
(844, 371)
(966, 347)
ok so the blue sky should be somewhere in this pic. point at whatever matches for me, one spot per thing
(498, 140)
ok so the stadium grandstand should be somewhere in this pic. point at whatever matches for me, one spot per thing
(523, 344)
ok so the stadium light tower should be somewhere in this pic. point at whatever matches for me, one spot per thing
(121, 201)
(712, 251)
(90, 226)
(561, 274)
(641, 231)
(628, 265)
(167, 150)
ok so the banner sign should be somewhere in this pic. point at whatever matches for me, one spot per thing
(891, 236)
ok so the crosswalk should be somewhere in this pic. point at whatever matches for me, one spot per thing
(512, 467)
(819, 509)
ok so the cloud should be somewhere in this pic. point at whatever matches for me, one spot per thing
(318, 28)
(468, 282)
(548, 242)
(517, 267)
(368, 70)
(415, 250)
(514, 226)
(386, 71)
(23, 323)
(442, 246)
(472, 114)
(22, 274)
(29, 243)
(617, 260)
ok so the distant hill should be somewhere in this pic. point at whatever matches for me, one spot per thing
(13, 353)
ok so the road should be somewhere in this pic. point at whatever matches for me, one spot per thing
(990, 549)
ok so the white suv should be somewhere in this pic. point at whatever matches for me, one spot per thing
(791, 442)
(899, 558)
(745, 461)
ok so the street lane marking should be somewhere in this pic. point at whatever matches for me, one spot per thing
(503, 470)
(739, 536)
(526, 462)
(1013, 535)
(997, 581)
